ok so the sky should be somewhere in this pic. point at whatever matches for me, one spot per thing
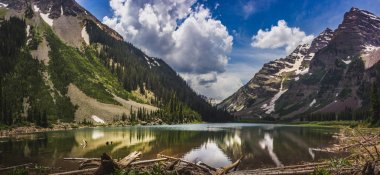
(218, 46)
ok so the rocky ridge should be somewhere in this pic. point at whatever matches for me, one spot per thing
(316, 77)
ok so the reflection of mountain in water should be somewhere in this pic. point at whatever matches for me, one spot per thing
(217, 145)
(267, 144)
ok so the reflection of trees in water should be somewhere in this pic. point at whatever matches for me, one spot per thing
(150, 141)
(30, 148)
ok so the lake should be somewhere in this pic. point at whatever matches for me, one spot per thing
(262, 145)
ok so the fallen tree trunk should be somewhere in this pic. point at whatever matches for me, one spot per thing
(227, 168)
(148, 161)
(289, 172)
(184, 161)
(129, 159)
(90, 170)
(80, 158)
(14, 167)
(293, 166)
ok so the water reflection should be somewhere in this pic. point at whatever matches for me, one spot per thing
(208, 152)
(267, 144)
(214, 144)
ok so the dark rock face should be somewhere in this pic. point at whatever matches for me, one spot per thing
(329, 75)
(358, 29)
(69, 7)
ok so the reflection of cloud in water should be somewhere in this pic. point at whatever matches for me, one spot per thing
(231, 141)
(97, 134)
(267, 143)
(311, 153)
(208, 153)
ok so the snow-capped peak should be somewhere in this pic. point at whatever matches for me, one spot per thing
(3, 5)
(366, 13)
(294, 61)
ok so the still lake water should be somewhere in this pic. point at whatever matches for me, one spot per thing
(262, 145)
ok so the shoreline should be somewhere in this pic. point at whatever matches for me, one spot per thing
(16, 130)
(32, 128)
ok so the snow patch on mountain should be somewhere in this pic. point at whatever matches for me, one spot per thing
(370, 48)
(85, 36)
(370, 55)
(27, 30)
(155, 61)
(271, 107)
(36, 9)
(299, 58)
(28, 34)
(346, 61)
(3, 5)
(97, 119)
(151, 61)
(313, 102)
(44, 16)
(370, 15)
(303, 72)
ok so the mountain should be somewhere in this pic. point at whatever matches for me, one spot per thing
(332, 74)
(66, 65)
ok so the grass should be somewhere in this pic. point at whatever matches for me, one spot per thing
(3, 12)
(84, 69)
(246, 120)
(340, 123)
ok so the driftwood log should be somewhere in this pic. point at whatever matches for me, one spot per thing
(226, 169)
(126, 161)
(184, 161)
(15, 167)
(107, 164)
(205, 167)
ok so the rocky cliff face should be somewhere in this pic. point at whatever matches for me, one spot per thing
(268, 82)
(327, 75)
(58, 12)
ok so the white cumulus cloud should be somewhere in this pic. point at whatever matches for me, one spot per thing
(189, 39)
(280, 36)
(181, 32)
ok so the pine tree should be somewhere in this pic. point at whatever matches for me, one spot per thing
(44, 120)
(375, 113)
(123, 117)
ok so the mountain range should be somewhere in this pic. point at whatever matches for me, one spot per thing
(333, 73)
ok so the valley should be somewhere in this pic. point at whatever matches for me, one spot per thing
(79, 94)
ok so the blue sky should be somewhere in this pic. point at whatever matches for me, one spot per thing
(228, 26)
